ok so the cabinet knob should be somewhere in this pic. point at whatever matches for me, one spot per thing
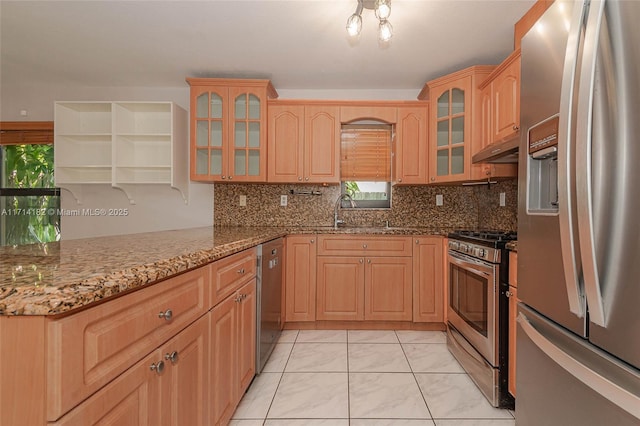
(368, 260)
(158, 367)
(361, 260)
(417, 241)
(238, 298)
(230, 177)
(306, 179)
(433, 179)
(224, 177)
(241, 271)
(299, 178)
(167, 315)
(516, 128)
(313, 241)
(508, 293)
(173, 357)
(364, 246)
(400, 180)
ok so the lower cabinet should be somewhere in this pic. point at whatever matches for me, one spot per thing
(428, 279)
(300, 278)
(233, 334)
(168, 387)
(364, 288)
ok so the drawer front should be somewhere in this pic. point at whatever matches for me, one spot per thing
(228, 274)
(349, 245)
(88, 349)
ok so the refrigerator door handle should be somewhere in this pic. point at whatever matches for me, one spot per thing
(584, 140)
(606, 388)
(565, 158)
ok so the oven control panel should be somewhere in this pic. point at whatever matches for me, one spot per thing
(489, 254)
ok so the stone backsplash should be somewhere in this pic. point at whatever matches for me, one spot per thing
(412, 206)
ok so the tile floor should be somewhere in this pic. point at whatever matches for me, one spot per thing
(365, 378)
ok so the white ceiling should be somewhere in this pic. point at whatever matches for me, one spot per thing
(299, 44)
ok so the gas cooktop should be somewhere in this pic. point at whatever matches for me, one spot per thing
(485, 237)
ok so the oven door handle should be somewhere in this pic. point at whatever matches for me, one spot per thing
(465, 263)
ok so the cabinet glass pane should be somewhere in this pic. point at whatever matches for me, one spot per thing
(443, 133)
(216, 162)
(443, 104)
(254, 162)
(202, 130)
(241, 107)
(202, 161)
(216, 106)
(239, 162)
(457, 130)
(457, 160)
(240, 135)
(443, 162)
(254, 107)
(254, 134)
(457, 101)
(201, 106)
(216, 133)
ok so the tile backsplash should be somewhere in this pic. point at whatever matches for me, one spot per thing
(412, 206)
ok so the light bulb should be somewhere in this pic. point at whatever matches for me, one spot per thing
(385, 31)
(383, 9)
(354, 25)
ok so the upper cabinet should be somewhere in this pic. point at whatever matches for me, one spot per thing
(229, 129)
(502, 89)
(411, 154)
(122, 144)
(455, 103)
(303, 143)
(456, 129)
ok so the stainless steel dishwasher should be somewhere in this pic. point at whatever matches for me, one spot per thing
(269, 299)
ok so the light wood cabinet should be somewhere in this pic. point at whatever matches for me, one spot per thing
(340, 291)
(233, 335)
(88, 349)
(428, 279)
(300, 278)
(303, 143)
(167, 387)
(364, 278)
(455, 128)
(122, 144)
(388, 288)
(411, 155)
(513, 312)
(228, 273)
(500, 109)
(228, 127)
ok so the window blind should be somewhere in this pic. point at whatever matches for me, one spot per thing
(365, 153)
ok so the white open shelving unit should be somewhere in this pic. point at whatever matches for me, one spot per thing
(122, 144)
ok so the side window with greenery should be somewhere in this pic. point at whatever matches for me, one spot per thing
(29, 202)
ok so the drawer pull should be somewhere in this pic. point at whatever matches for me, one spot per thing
(173, 357)
(364, 246)
(241, 271)
(167, 315)
(158, 367)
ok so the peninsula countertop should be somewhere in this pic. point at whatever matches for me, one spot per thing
(54, 278)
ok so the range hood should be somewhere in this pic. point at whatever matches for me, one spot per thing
(501, 152)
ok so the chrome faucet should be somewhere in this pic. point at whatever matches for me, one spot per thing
(337, 221)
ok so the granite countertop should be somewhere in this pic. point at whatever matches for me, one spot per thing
(55, 278)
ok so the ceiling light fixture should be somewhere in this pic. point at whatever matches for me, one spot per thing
(382, 10)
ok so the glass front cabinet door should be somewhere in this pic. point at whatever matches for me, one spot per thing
(452, 124)
(228, 129)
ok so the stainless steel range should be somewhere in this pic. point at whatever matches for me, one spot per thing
(477, 311)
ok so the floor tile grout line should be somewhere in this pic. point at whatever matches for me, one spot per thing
(266, 416)
(417, 384)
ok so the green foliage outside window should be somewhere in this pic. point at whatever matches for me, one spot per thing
(26, 219)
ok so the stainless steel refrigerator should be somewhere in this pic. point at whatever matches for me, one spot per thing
(578, 335)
